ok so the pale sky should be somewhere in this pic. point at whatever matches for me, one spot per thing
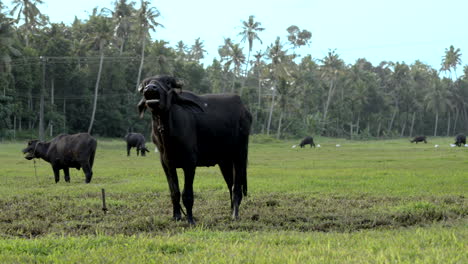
(378, 30)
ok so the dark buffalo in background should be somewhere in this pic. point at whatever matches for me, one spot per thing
(419, 139)
(460, 140)
(64, 152)
(136, 140)
(307, 140)
(191, 131)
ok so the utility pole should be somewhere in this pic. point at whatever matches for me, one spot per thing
(41, 107)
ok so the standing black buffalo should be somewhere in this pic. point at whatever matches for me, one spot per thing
(64, 152)
(419, 139)
(136, 140)
(307, 140)
(460, 140)
(191, 131)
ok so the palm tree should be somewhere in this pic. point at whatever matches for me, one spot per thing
(121, 15)
(181, 50)
(7, 38)
(451, 60)
(101, 35)
(249, 33)
(332, 64)
(146, 19)
(437, 98)
(297, 37)
(197, 50)
(31, 14)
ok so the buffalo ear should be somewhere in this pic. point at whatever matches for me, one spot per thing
(192, 104)
(175, 82)
(142, 107)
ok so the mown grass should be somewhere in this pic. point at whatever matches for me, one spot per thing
(365, 200)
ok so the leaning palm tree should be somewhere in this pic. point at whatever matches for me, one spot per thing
(249, 33)
(101, 35)
(146, 20)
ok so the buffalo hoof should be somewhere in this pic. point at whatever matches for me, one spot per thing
(191, 222)
(177, 218)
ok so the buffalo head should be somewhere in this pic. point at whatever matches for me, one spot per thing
(159, 94)
(31, 149)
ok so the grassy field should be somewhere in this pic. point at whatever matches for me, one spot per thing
(383, 201)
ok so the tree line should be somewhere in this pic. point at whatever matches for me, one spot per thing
(58, 78)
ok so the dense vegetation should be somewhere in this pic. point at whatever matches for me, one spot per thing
(82, 77)
(380, 201)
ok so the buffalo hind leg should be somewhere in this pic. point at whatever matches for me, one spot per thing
(128, 150)
(228, 174)
(239, 175)
(173, 182)
(187, 193)
(66, 171)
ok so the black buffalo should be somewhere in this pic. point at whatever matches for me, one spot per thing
(307, 140)
(460, 140)
(64, 152)
(191, 131)
(419, 139)
(136, 140)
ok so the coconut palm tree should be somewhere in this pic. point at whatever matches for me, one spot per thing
(332, 64)
(249, 33)
(181, 51)
(197, 50)
(28, 10)
(451, 60)
(101, 35)
(437, 98)
(146, 21)
(121, 16)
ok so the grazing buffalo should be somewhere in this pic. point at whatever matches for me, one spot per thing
(419, 139)
(460, 140)
(191, 131)
(307, 140)
(64, 152)
(136, 140)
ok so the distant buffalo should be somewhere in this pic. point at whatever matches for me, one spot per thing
(64, 152)
(307, 140)
(136, 140)
(460, 140)
(419, 139)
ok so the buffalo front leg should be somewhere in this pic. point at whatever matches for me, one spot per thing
(56, 174)
(187, 194)
(173, 182)
(66, 171)
(128, 150)
(88, 172)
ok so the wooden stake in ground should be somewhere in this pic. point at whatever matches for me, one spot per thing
(104, 208)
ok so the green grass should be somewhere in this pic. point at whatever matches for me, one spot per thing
(366, 201)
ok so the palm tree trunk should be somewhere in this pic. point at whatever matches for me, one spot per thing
(246, 73)
(41, 106)
(455, 122)
(412, 124)
(448, 124)
(327, 104)
(378, 128)
(390, 126)
(278, 133)
(271, 112)
(435, 126)
(143, 45)
(64, 115)
(259, 98)
(96, 88)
